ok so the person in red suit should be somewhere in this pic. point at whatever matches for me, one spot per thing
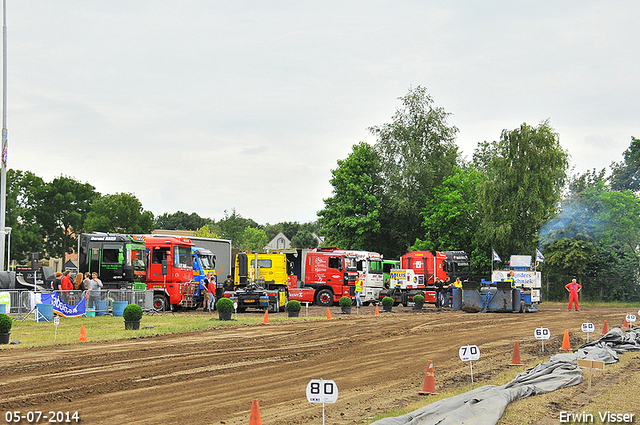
(573, 287)
(66, 286)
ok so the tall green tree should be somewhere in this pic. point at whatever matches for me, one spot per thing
(525, 172)
(233, 226)
(26, 233)
(304, 239)
(625, 175)
(350, 218)
(417, 151)
(63, 205)
(119, 213)
(251, 239)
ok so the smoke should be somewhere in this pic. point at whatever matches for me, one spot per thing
(575, 220)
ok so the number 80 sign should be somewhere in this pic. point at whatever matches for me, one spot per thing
(322, 391)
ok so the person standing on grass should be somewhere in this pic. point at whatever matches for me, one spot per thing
(94, 291)
(358, 291)
(573, 287)
(211, 289)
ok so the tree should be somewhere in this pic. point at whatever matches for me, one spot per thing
(304, 239)
(417, 151)
(206, 232)
(63, 205)
(26, 234)
(119, 213)
(251, 239)
(181, 221)
(350, 217)
(234, 226)
(525, 172)
(626, 174)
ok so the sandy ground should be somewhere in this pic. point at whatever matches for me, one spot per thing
(211, 376)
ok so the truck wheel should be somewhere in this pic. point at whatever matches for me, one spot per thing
(160, 302)
(324, 298)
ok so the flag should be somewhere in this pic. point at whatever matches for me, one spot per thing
(539, 256)
(496, 257)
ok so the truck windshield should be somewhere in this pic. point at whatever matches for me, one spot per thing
(137, 258)
(182, 257)
(375, 267)
(206, 261)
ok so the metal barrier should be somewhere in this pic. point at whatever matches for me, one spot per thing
(22, 303)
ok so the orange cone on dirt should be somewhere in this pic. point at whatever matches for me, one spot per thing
(83, 334)
(605, 329)
(265, 319)
(515, 360)
(626, 324)
(255, 418)
(328, 314)
(377, 313)
(429, 385)
(565, 341)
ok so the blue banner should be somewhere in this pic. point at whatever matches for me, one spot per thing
(63, 309)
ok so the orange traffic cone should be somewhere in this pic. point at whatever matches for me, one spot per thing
(429, 385)
(255, 418)
(605, 329)
(265, 319)
(328, 314)
(515, 360)
(83, 334)
(565, 341)
(626, 324)
(377, 313)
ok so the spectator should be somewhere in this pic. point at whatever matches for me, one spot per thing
(77, 283)
(55, 283)
(66, 286)
(573, 287)
(228, 284)
(204, 290)
(439, 293)
(211, 289)
(358, 291)
(94, 291)
(86, 283)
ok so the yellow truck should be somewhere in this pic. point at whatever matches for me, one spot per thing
(261, 282)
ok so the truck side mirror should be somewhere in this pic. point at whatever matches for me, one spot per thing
(164, 267)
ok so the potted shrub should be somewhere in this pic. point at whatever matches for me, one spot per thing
(345, 303)
(418, 301)
(132, 314)
(5, 328)
(387, 303)
(293, 308)
(225, 308)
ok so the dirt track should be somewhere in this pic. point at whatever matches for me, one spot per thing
(378, 363)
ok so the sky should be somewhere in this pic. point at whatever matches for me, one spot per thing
(210, 106)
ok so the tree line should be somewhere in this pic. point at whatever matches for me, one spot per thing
(413, 190)
(46, 217)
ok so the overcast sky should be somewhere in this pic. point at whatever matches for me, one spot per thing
(206, 106)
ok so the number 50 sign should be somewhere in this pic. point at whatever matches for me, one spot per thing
(322, 391)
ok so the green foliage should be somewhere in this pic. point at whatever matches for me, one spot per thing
(387, 301)
(181, 221)
(291, 228)
(252, 239)
(224, 305)
(525, 172)
(351, 215)
(61, 210)
(416, 151)
(21, 203)
(206, 232)
(625, 175)
(304, 239)
(452, 215)
(119, 213)
(418, 300)
(5, 323)
(132, 313)
(293, 305)
(345, 302)
(234, 227)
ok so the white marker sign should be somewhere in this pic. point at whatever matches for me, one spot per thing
(588, 327)
(542, 333)
(469, 353)
(322, 391)
(631, 318)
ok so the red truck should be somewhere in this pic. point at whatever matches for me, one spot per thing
(170, 272)
(416, 275)
(329, 274)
